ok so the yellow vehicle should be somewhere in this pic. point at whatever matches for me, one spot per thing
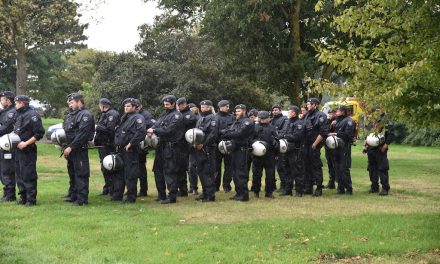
(354, 106)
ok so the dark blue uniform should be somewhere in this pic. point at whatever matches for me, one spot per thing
(79, 126)
(341, 156)
(378, 164)
(240, 132)
(131, 130)
(316, 124)
(143, 182)
(189, 121)
(224, 120)
(295, 134)
(169, 128)
(105, 135)
(280, 122)
(28, 124)
(268, 134)
(205, 157)
(7, 159)
(328, 157)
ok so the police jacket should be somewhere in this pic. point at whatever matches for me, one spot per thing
(189, 119)
(169, 127)
(387, 130)
(28, 124)
(241, 131)
(279, 121)
(79, 126)
(267, 133)
(131, 130)
(345, 129)
(209, 125)
(149, 120)
(225, 120)
(316, 124)
(296, 132)
(105, 127)
(7, 119)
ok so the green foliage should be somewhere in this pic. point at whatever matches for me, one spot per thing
(423, 137)
(391, 51)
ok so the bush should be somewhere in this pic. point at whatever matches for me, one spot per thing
(423, 137)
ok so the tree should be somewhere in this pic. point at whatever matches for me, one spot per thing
(391, 52)
(28, 25)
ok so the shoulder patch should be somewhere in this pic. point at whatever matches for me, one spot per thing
(213, 123)
(85, 118)
(110, 118)
(187, 116)
(247, 123)
(153, 120)
(35, 118)
(349, 123)
(299, 126)
(176, 116)
(139, 121)
(321, 119)
(10, 115)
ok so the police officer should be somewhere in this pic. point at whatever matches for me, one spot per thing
(264, 131)
(331, 120)
(129, 133)
(29, 128)
(378, 164)
(316, 132)
(189, 121)
(143, 182)
(240, 132)
(341, 156)
(295, 135)
(192, 170)
(206, 151)
(169, 128)
(104, 137)
(7, 159)
(279, 121)
(80, 127)
(225, 120)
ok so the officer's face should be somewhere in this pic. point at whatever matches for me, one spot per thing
(276, 111)
(129, 108)
(19, 104)
(205, 108)
(310, 106)
(224, 108)
(4, 101)
(239, 113)
(182, 106)
(168, 105)
(340, 113)
(73, 104)
(265, 121)
(291, 114)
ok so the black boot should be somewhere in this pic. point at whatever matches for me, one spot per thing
(318, 192)
(330, 185)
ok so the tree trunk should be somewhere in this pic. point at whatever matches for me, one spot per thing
(295, 36)
(21, 83)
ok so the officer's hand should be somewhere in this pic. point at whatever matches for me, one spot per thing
(198, 146)
(314, 146)
(364, 150)
(332, 134)
(22, 145)
(384, 148)
(127, 147)
(67, 152)
(150, 131)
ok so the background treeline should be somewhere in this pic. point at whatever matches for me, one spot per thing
(254, 52)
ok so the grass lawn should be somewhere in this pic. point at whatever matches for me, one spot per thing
(363, 228)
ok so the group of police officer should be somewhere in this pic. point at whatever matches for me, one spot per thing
(191, 142)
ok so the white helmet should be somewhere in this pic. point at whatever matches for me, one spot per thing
(58, 137)
(333, 142)
(9, 142)
(259, 148)
(113, 162)
(194, 136)
(286, 146)
(225, 147)
(152, 141)
(374, 140)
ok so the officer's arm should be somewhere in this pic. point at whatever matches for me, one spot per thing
(214, 134)
(7, 127)
(389, 136)
(37, 129)
(84, 130)
(347, 132)
(172, 127)
(139, 135)
(245, 130)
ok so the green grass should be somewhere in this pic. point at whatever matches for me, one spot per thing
(364, 228)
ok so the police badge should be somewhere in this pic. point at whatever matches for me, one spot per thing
(35, 118)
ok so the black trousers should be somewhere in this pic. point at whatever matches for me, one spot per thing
(78, 168)
(266, 162)
(313, 168)
(281, 166)
(240, 173)
(378, 166)
(143, 181)
(227, 174)
(331, 169)
(7, 169)
(166, 169)
(206, 162)
(341, 160)
(192, 171)
(295, 158)
(26, 173)
(183, 163)
(108, 177)
(127, 177)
